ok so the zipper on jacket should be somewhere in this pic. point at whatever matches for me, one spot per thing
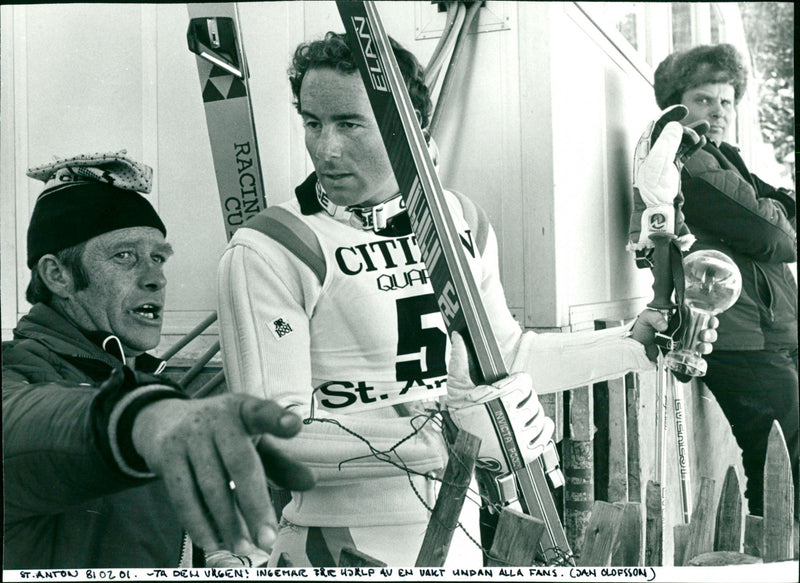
(185, 546)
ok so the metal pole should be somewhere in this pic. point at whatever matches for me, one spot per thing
(683, 450)
(662, 375)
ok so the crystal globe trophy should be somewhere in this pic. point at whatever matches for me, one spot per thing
(713, 284)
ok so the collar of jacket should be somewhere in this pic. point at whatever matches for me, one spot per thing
(111, 344)
(306, 194)
(45, 325)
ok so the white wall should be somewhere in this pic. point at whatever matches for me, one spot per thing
(100, 78)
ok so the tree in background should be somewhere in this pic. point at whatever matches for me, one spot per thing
(769, 28)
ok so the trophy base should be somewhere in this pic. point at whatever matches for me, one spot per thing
(686, 363)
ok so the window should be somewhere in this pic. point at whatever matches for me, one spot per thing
(628, 19)
(695, 23)
(625, 25)
(717, 25)
(681, 26)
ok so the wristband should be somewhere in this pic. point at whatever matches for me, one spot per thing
(120, 426)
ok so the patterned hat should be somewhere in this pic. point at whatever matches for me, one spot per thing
(86, 196)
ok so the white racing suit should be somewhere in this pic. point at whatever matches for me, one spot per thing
(308, 300)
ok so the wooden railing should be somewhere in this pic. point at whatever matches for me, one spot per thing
(197, 377)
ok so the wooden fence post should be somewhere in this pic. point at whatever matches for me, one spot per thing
(634, 458)
(778, 500)
(579, 467)
(728, 532)
(654, 525)
(516, 540)
(628, 550)
(447, 509)
(601, 535)
(753, 535)
(611, 433)
(701, 527)
(617, 442)
(680, 540)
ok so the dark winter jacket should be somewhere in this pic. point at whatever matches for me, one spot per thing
(67, 504)
(731, 210)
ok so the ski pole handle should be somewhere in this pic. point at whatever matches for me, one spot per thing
(663, 284)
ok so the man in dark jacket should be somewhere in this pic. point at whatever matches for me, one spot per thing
(753, 369)
(104, 464)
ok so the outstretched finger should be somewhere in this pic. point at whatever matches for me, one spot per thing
(673, 113)
(213, 483)
(188, 504)
(459, 365)
(245, 470)
(265, 416)
(693, 139)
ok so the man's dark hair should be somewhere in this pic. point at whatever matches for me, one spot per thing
(697, 66)
(333, 52)
(72, 259)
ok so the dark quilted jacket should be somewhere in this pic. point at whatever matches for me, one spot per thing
(66, 503)
(733, 211)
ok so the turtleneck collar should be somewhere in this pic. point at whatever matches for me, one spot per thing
(312, 202)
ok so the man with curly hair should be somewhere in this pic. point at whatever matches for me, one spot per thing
(753, 370)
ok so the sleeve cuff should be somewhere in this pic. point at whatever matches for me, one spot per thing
(564, 361)
(120, 426)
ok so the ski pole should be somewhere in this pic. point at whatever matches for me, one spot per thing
(659, 220)
(663, 286)
(683, 450)
(666, 388)
(661, 425)
(712, 284)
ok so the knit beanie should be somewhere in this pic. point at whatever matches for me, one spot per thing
(697, 66)
(86, 196)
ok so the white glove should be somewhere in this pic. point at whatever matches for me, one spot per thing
(532, 429)
(657, 176)
(657, 197)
